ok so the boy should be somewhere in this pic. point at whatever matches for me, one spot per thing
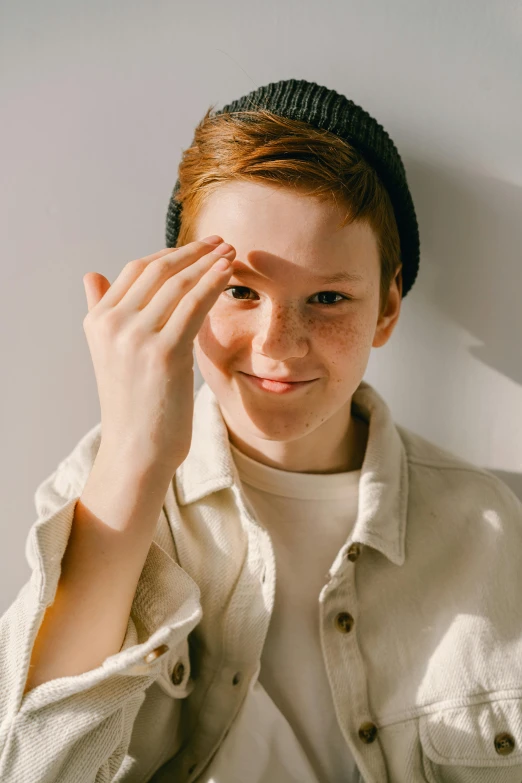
(327, 595)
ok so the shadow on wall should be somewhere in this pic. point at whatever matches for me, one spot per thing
(474, 237)
(476, 219)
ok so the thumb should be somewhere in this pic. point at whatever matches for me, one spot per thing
(95, 285)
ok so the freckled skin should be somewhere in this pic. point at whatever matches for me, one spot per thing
(276, 324)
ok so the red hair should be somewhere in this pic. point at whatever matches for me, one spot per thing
(259, 146)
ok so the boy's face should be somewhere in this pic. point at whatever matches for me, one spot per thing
(274, 319)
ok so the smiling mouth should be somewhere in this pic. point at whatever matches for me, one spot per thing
(276, 387)
(277, 380)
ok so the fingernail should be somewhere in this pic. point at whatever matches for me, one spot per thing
(224, 248)
(213, 240)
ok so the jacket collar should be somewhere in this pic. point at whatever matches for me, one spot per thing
(383, 488)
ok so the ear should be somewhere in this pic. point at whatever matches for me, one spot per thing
(388, 319)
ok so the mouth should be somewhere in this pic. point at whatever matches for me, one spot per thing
(277, 387)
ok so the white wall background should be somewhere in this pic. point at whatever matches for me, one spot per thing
(99, 99)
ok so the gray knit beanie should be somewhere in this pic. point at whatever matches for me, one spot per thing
(327, 109)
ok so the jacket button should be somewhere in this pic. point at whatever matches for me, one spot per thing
(177, 674)
(161, 650)
(236, 678)
(367, 732)
(354, 550)
(504, 743)
(344, 622)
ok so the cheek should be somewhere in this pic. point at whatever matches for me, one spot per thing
(332, 339)
(219, 334)
(341, 337)
(344, 348)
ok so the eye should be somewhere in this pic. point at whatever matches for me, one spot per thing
(236, 288)
(332, 293)
(321, 293)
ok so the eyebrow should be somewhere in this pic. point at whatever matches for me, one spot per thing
(338, 277)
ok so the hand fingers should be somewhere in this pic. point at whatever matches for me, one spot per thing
(126, 281)
(177, 288)
(181, 322)
(158, 272)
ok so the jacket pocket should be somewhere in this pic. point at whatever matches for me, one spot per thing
(478, 743)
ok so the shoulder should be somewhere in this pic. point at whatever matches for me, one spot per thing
(455, 482)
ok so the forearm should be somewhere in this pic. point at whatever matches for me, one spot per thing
(113, 527)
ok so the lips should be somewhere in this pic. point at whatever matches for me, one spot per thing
(276, 387)
(280, 380)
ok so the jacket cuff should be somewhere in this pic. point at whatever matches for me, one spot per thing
(165, 609)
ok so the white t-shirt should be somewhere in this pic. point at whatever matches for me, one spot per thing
(292, 507)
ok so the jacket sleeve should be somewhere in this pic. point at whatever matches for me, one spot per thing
(77, 729)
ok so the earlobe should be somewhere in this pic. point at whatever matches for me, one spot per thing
(382, 334)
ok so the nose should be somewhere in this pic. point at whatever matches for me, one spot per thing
(281, 334)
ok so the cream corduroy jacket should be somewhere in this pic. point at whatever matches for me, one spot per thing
(426, 677)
